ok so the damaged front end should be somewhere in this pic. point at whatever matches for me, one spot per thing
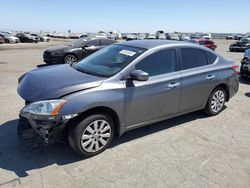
(42, 118)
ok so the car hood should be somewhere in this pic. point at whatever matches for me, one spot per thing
(53, 82)
(58, 48)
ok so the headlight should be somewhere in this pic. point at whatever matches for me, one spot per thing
(47, 108)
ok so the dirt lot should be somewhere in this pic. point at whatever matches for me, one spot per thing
(189, 151)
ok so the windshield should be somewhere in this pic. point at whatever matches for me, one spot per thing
(245, 40)
(109, 61)
(247, 53)
(195, 35)
(78, 43)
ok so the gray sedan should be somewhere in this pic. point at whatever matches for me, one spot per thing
(122, 87)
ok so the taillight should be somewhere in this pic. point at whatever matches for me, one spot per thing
(236, 68)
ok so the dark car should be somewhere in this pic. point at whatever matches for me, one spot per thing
(204, 42)
(26, 37)
(74, 51)
(240, 46)
(229, 37)
(122, 87)
(2, 40)
(238, 37)
(245, 64)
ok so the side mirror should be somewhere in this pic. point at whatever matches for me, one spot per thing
(139, 75)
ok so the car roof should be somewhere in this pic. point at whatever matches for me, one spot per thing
(148, 44)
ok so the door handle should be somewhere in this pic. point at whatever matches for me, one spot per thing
(173, 85)
(210, 77)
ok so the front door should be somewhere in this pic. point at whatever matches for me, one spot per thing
(158, 97)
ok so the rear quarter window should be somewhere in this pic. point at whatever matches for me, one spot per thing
(211, 58)
(192, 58)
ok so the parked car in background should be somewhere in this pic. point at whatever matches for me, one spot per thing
(238, 37)
(160, 35)
(195, 35)
(245, 64)
(141, 36)
(168, 37)
(8, 38)
(111, 35)
(151, 36)
(204, 42)
(40, 38)
(131, 37)
(240, 46)
(84, 35)
(229, 37)
(2, 40)
(122, 87)
(207, 36)
(184, 37)
(74, 51)
(174, 36)
(101, 34)
(26, 37)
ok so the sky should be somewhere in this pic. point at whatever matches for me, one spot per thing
(220, 16)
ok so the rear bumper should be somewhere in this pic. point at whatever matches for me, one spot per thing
(245, 70)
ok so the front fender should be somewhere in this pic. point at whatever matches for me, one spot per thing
(82, 101)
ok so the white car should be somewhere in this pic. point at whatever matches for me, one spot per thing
(174, 36)
(207, 36)
(9, 38)
(151, 36)
(101, 35)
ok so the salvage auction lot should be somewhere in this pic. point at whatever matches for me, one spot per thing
(189, 151)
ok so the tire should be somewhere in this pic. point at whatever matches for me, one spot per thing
(70, 58)
(88, 146)
(216, 102)
(7, 41)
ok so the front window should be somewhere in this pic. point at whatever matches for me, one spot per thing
(158, 63)
(245, 40)
(108, 61)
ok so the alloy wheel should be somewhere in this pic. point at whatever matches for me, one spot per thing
(70, 59)
(96, 136)
(218, 101)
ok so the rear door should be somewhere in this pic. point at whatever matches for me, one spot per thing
(199, 77)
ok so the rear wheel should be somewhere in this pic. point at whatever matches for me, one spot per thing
(216, 102)
(92, 135)
(70, 58)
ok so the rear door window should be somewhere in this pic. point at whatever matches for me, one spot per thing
(192, 57)
(211, 58)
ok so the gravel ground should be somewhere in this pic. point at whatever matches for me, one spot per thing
(189, 151)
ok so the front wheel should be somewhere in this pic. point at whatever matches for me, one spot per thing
(70, 58)
(216, 102)
(92, 135)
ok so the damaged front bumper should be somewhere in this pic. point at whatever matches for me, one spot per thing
(51, 130)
